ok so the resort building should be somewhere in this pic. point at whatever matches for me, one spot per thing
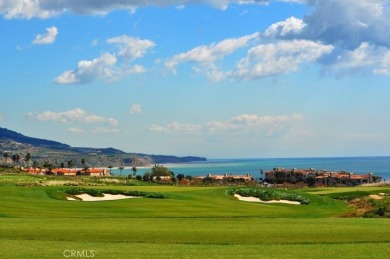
(318, 177)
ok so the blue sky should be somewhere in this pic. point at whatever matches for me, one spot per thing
(215, 78)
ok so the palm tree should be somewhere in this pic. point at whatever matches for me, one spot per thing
(110, 167)
(6, 155)
(16, 159)
(27, 159)
(70, 164)
(134, 169)
(35, 164)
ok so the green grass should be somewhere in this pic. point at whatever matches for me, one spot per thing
(193, 222)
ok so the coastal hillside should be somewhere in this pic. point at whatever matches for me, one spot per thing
(43, 150)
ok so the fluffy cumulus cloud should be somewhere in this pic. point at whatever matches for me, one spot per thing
(290, 27)
(109, 66)
(279, 58)
(357, 30)
(27, 9)
(72, 116)
(204, 56)
(268, 125)
(210, 53)
(340, 36)
(90, 70)
(47, 38)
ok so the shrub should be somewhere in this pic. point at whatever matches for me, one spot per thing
(156, 195)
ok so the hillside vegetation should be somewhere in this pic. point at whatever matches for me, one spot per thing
(55, 153)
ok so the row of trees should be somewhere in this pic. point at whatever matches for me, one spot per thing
(16, 158)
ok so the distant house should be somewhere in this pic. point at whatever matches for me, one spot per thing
(68, 172)
(64, 172)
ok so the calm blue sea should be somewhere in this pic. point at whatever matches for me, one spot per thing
(360, 165)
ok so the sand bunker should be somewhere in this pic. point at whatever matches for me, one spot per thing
(254, 199)
(106, 197)
(376, 197)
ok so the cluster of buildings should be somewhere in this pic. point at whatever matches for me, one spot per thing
(311, 177)
(68, 171)
(314, 177)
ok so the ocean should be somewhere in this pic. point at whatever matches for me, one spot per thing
(380, 166)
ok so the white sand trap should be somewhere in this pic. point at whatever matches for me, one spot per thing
(106, 197)
(254, 199)
(376, 197)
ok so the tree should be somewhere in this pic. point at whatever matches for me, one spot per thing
(180, 177)
(83, 162)
(27, 159)
(146, 177)
(16, 159)
(70, 164)
(62, 165)
(262, 174)
(134, 169)
(159, 170)
(35, 164)
(6, 155)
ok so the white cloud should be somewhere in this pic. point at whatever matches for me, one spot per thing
(279, 58)
(47, 38)
(291, 26)
(208, 54)
(1, 116)
(77, 116)
(27, 9)
(131, 48)
(89, 70)
(109, 67)
(366, 57)
(269, 125)
(135, 109)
